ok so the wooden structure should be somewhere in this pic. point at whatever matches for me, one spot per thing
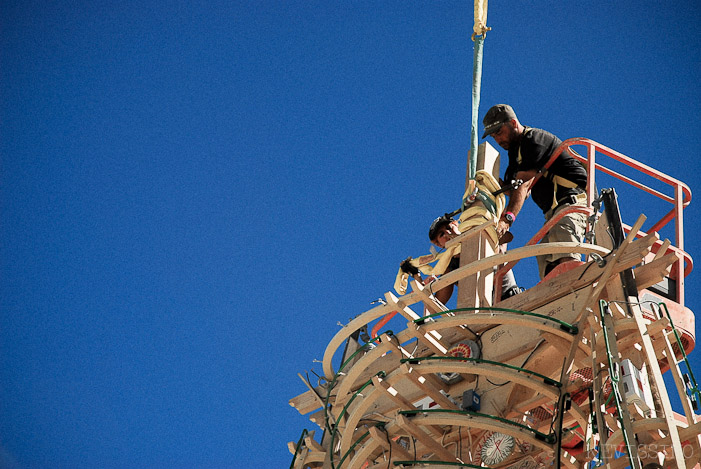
(565, 374)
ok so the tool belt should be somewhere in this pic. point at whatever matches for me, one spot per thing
(578, 199)
(572, 199)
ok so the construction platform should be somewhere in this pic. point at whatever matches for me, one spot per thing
(565, 374)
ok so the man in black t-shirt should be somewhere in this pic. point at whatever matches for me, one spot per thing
(560, 186)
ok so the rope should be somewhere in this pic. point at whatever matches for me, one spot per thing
(479, 33)
(476, 90)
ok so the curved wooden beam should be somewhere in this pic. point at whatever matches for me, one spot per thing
(496, 318)
(488, 370)
(483, 423)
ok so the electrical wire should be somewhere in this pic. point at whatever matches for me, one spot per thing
(522, 365)
(591, 264)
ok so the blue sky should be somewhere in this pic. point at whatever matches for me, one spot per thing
(194, 194)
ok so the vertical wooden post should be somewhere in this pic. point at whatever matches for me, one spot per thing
(477, 290)
(487, 160)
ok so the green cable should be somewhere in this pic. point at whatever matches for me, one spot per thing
(476, 90)
(340, 370)
(569, 328)
(695, 389)
(334, 430)
(436, 463)
(569, 429)
(545, 379)
(614, 379)
(381, 374)
(550, 439)
(356, 443)
(563, 404)
(362, 348)
(299, 445)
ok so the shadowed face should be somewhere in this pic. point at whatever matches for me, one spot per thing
(445, 233)
(505, 135)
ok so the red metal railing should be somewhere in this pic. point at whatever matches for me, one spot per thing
(499, 276)
(680, 199)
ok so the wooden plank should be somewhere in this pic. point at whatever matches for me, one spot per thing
(613, 258)
(548, 290)
(487, 264)
(318, 418)
(469, 234)
(351, 381)
(677, 376)
(489, 371)
(374, 401)
(429, 386)
(685, 434)
(348, 330)
(389, 445)
(392, 393)
(307, 401)
(425, 439)
(654, 272)
(484, 423)
(597, 290)
(362, 406)
(427, 339)
(429, 300)
(301, 458)
(312, 443)
(658, 382)
(487, 160)
(662, 249)
(399, 400)
(362, 454)
(388, 362)
(476, 289)
(497, 318)
(624, 415)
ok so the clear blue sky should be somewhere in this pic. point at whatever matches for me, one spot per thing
(193, 194)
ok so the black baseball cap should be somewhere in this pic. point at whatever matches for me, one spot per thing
(496, 117)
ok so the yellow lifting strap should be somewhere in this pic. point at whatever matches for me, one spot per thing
(480, 27)
(474, 215)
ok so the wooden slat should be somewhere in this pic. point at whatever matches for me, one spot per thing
(425, 439)
(577, 278)
(306, 402)
(654, 272)
(428, 385)
(392, 447)
(483, 423)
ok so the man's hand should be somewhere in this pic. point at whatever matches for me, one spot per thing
(502, 227)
